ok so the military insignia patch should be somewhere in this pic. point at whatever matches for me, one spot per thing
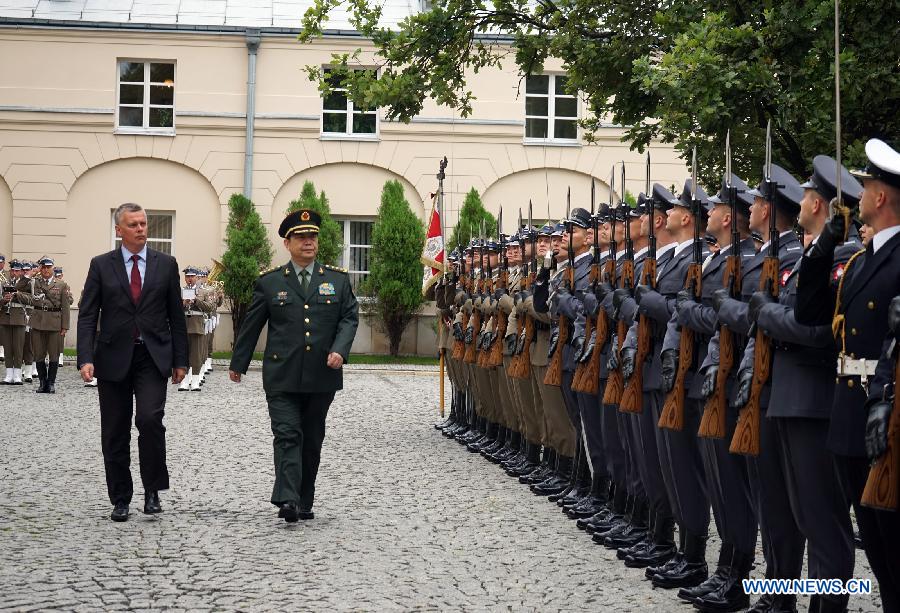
(326, 289)
(838, 272)
(304, 216)
(784, 277)
(282, 295)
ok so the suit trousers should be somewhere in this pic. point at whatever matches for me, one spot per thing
(148, 388)
(648, 459)
(816, 499)
(298, 428)
(879, 530)
(729, 489)
(13, 343)
(683, 455)
(628, 437)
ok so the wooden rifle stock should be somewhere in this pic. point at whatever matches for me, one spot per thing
(475, 320)
(495, 357)
(615, 385)
(523, 370)
(459, 347)
(672, 416)
(553, 375)
(881, 491)
(712, 423)
(746, 432)
(633, 395)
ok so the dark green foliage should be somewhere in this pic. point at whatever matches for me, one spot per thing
(247, 251)
(683, 71)
(330, 233)
(395, 272)
(471, 217)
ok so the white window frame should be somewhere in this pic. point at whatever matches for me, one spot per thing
(348, 134)
(551, 115)
(171, 241)
(345, 253)
(145, 106)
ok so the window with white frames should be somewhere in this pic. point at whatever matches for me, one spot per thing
(160, 231)
(340, 117)
(551, 114)
(146, 96)
(357, 241)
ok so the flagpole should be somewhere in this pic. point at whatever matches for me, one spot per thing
(440, 177)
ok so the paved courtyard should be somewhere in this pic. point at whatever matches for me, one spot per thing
(405, 519)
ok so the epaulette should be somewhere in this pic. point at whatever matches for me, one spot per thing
(268, 270)
(337, 268)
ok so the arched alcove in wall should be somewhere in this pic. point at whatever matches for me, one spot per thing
(171, 190)
(541, 186)
(6, 216)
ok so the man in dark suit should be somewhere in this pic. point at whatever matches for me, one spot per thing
(143, 340)
(312, 316)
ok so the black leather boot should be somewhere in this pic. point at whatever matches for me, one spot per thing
(42, 378)
(581, 488)
(661, 546)
(691, 568)
(617, 519)
(730, 595)
(50, 386)
(636, 529)
(546, 467)
(492, 439)
(573, 475)
(715, 580)
(595, 502)
(558, 480)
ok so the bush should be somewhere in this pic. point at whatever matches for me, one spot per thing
(330, 234)
(395, 273)
(247, 251)
(470, 219)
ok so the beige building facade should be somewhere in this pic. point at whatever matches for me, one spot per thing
(96, 113)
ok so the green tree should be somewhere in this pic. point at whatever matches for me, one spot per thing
(247, 251)
(471, 216)
(395, 273)
(684, 71)
(330, 234)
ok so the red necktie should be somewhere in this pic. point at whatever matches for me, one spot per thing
(135, 279)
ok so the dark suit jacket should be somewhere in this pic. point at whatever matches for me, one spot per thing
(158, 316)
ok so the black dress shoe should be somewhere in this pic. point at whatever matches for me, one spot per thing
(306, 514)
(119, 512)
(151, 503)
(288, 512)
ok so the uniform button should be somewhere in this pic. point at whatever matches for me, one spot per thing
(871, 306)
(853, 331)
(307, 334)
(849, 382)
(274, 356)
(836, 380)
(308, 348)
(306, 320)
(305, 306)
(328, 302)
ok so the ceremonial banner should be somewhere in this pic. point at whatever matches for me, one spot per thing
(433, 250)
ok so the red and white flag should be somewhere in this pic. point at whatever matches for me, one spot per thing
(433, 250)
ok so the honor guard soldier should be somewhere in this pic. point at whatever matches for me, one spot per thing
(3, 281)
(196, 310)
(858, 313)
(58, 275)
(49, 323)
(14, 320)
(28, 363)
(312, 316)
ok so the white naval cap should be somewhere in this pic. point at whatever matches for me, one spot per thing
(883, 163)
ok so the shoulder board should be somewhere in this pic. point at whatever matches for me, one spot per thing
(268, 270)
(337, 268)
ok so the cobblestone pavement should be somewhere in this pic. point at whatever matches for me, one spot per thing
(405, 519)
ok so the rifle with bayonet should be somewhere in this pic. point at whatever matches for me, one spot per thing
(483, 347)
(615, 386)
(523, 370)
(459, 347)
(746, 432)
(515, 360)
(672, 416)
(475, 319)
(580, 376)
(496, 347)
(553, 376)
(712, 423)
(633, 395)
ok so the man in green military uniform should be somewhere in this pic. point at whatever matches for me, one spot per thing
(312, 316)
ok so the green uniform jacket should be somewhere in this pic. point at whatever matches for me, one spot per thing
(303, 329)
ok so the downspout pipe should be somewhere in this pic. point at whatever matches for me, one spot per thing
(253, 38)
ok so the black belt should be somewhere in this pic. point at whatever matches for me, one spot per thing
(52, 310)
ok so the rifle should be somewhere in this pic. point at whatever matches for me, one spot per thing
(633, 396)
(484, 350)
(516, 359)
(746, 432)
(553, 376)
(614, 384)
(712, 423)
(884, 475)
(459, 348)
(672, 416)
(475, 322)
(523, 367)
(579, 379)
(496, 348)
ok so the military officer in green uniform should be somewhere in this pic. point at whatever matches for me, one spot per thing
(312, 316)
